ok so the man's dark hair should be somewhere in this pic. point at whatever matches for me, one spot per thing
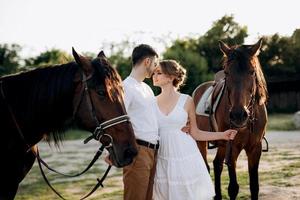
(142, 51)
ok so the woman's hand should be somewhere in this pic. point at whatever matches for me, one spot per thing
(229, 134)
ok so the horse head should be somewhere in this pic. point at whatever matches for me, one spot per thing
(244, 80)
(99, 108)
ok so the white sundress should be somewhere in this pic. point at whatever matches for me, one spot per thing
(181, 173)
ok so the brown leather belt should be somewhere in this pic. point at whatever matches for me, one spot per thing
(147, 144)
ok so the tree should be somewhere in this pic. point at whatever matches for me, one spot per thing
(225, 29)
(119, 56)
(295, 40)
(9, 58)
(281, 55)
(49, 57)
(121, 62)
(185, 52)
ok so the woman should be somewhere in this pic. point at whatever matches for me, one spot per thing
(180, 171)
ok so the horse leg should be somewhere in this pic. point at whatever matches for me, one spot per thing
(218, 167)
(13, 175)
(8, 181)
(8, 190)
(233, 188)
(253, 163)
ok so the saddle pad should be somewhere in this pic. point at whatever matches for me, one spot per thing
(203, 105)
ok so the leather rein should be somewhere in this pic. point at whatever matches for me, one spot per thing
(97, 134)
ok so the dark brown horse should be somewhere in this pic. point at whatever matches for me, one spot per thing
(45, 102)
(242, 106)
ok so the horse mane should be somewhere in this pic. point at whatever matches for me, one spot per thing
(240, 54)
(42, 98)
(262, 92)
(112, 80)
(46, 92)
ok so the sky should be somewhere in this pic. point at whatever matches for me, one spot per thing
(89, 25)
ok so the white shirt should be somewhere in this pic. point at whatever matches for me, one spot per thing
(139, 103)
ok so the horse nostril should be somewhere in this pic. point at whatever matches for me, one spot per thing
(231, 115)
(245, 115)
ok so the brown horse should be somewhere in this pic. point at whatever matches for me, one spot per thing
(45, 102)
(242, 106)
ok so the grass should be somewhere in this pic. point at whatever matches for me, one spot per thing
(283, 173)
(280, 173)
(280, 169)
(280, 122)
(76, 135)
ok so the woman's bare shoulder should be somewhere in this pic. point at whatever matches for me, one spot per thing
(189, 102)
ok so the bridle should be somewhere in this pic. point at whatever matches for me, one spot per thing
(249, 107)
(100, 127)
(97, 134)
(250, 123)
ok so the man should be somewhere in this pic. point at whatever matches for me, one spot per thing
(139, 102)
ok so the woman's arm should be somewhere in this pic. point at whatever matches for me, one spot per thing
(205, 135)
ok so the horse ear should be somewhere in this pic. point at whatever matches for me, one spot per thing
(101, 54)
(82, 61)
(224, 48)
(76, 56)
(255, 49)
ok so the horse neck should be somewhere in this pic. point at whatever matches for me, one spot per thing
(41, 99)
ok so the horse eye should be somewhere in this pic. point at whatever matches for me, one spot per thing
(252, 73)
(100, 91)
(226, 73)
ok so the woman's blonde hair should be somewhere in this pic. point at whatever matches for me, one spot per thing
(173, 68)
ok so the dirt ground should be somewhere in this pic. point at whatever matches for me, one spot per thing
(279, 171)
(282, 165)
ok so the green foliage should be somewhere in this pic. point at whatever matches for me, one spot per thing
(9, 58)
(184, 51)
(281, 55)
(282, 122)
(201, 56)
(225, 29)
(49, 57)
(122, 63)
(120, 56)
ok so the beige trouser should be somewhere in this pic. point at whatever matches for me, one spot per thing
(138, 176)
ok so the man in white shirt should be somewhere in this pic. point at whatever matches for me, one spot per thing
(139, 103)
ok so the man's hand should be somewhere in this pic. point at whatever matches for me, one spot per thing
(186, 128)
(107, 160)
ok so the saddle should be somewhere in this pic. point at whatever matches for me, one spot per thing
(210, 99)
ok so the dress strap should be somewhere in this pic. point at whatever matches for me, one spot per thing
(182, 100)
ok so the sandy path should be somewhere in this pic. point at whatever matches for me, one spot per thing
(276, 180)
(284, 152)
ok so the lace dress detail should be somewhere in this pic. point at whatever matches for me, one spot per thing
(181, 173)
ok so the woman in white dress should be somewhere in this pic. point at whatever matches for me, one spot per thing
(181, 173)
